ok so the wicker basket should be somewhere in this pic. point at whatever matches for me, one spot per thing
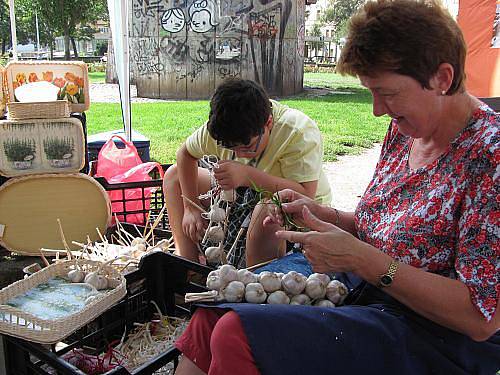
(15, 322)
(32, 110)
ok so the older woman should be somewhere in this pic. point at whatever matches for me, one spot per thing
(424, 238)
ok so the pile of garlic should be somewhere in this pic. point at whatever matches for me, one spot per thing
(292, 288)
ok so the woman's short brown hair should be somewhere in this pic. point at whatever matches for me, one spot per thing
(409, 37)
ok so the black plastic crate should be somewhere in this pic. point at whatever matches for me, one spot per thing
(156, 198)
(161, 277)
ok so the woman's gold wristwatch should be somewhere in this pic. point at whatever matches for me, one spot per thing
(387, 278)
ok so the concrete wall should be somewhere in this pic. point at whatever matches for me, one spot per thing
(184, 48)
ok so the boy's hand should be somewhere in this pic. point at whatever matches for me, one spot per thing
(193, 225)
(231, 174)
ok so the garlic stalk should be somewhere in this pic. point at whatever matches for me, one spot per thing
(278, 297)
(255, 293)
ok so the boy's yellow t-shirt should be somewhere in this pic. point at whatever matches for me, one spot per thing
(294, 150)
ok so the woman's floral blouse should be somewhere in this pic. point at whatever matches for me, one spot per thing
(443, 217)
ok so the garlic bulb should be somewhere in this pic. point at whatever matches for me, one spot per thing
(315, 288)
(227, 274)
(214, 281)
(217, 214)
(255, 293)
(215, 233)
(138, 240)
(139, 247)
(293, 283)
(76, 276)
(270, 281)
(336, 292)
(234, 291)
(278, 297)
(247, 277)
(325, 279)
(324, 303)
(214, 254)
(300, 299)
(97, 281)
(228, 195)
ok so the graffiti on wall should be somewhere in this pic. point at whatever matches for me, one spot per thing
(194, 39)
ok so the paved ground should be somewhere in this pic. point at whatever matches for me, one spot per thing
(348, 176)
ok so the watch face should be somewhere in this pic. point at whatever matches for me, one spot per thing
(386, 280)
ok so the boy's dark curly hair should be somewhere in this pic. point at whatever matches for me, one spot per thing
(239, 109)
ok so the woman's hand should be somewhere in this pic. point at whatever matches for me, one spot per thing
(231, 174)
(193, 225)
(292, 204)
(327, 247)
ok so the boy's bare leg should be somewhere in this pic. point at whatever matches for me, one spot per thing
(262, 244)
(184, 246)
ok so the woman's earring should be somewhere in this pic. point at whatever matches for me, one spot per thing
(443, 92)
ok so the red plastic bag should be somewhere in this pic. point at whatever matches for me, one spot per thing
(113, 161)
(123, 166)
(133, 200)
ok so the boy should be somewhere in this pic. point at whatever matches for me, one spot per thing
(258, 142)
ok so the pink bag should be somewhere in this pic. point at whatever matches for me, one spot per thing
(112, 160)
(125, 166)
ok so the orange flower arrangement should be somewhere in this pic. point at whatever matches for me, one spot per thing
(48, 76)
(71, 89)
(70, 77)
(33, 77)
(21, 78)
(79, 81)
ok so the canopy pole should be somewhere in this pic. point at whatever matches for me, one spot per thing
(118, 20)
(13, 29)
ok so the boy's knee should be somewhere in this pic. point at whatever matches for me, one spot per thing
(171, 177)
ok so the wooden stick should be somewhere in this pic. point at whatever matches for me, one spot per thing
(147, 222)
(194, 204)
(157, 221)
(66, 247)
(260, 264)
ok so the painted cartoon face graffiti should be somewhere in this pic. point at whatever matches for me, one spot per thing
(202, 15)
(173, 20)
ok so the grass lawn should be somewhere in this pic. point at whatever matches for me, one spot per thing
(345, 120)
(97, 77)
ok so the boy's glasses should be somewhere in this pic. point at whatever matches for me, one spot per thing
(245, 148)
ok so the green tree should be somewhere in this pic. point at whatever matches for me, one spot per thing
(338, 13)
(69, 18)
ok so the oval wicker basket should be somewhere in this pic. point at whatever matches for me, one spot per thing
(52, 110)
(22, 324)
